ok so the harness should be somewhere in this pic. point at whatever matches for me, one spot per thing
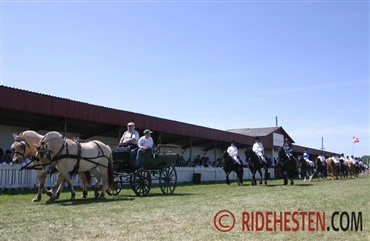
(59, 156)
(24, 145)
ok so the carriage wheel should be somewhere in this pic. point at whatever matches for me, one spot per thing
(140, 182)
(168, 180)
(117, 186)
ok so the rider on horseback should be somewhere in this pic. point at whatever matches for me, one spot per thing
(233, 152)
(288, 149)
(259, 150)
(306, 156)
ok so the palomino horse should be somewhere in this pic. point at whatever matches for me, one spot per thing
(287, 165)
(24, 147)
(332, 168)
(229, 166)
(305, 167)
(69, 157)
(256, 165)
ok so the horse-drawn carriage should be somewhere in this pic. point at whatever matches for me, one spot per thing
(157, 168)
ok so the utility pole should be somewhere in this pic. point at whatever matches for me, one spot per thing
(322, 143)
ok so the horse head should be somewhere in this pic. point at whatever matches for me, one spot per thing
(20, 150)
(48, 145)
(250, 155)
(24, 145)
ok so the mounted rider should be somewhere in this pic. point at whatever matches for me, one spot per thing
(287, 147)
(259, 150)
(232, 150)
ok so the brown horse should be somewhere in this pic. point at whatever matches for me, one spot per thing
(332, 168)
(70, 157)
(24, 147)
(351, 168)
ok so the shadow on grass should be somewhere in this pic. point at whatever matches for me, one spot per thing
(86, 201)
(115, 198)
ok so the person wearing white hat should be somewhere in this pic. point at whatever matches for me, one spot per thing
(130, 138)
(145, 144)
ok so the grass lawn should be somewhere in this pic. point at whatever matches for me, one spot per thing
(188, 214)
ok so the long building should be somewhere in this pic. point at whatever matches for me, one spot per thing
(25, 110)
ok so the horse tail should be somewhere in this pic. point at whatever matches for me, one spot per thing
(110, 171)
(88, 177)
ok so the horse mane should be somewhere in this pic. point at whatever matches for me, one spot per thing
(51, 135)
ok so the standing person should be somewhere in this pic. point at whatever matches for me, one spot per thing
(233, 152)
(259, 149)
(145, 144)
(7, 157)
(130, 138)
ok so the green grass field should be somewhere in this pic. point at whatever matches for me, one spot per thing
(186, 215)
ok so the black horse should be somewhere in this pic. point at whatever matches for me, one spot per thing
(255, 165)
(343, 169)
(304, 169)
(287, 165)
(321, 170)
(229, 166)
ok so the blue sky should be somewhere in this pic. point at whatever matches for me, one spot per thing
(220, 64)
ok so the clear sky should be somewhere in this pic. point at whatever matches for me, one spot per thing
(219, 64)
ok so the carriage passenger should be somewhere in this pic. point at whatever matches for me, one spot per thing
(145, 144)
(130, 138)
(233, 152)
(258, 149)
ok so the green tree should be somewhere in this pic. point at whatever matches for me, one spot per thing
(366, 159)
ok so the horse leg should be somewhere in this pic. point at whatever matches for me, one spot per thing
(227, 178)
(84, 183)
(285, 178)
(266, 176)
(291, 176)
(41, 176)
(98, 177)
(240, 176)
(259, 171)
(56, 188)
(253, 177)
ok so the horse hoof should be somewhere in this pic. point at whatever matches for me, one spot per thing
(36, 199)
(51, 200)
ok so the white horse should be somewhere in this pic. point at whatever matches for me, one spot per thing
(70, 157)
(23, 147)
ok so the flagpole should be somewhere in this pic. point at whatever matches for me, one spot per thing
(353, 148)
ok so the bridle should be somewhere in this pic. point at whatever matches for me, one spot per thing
(24, 145)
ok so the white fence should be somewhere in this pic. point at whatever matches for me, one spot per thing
(12, 178)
